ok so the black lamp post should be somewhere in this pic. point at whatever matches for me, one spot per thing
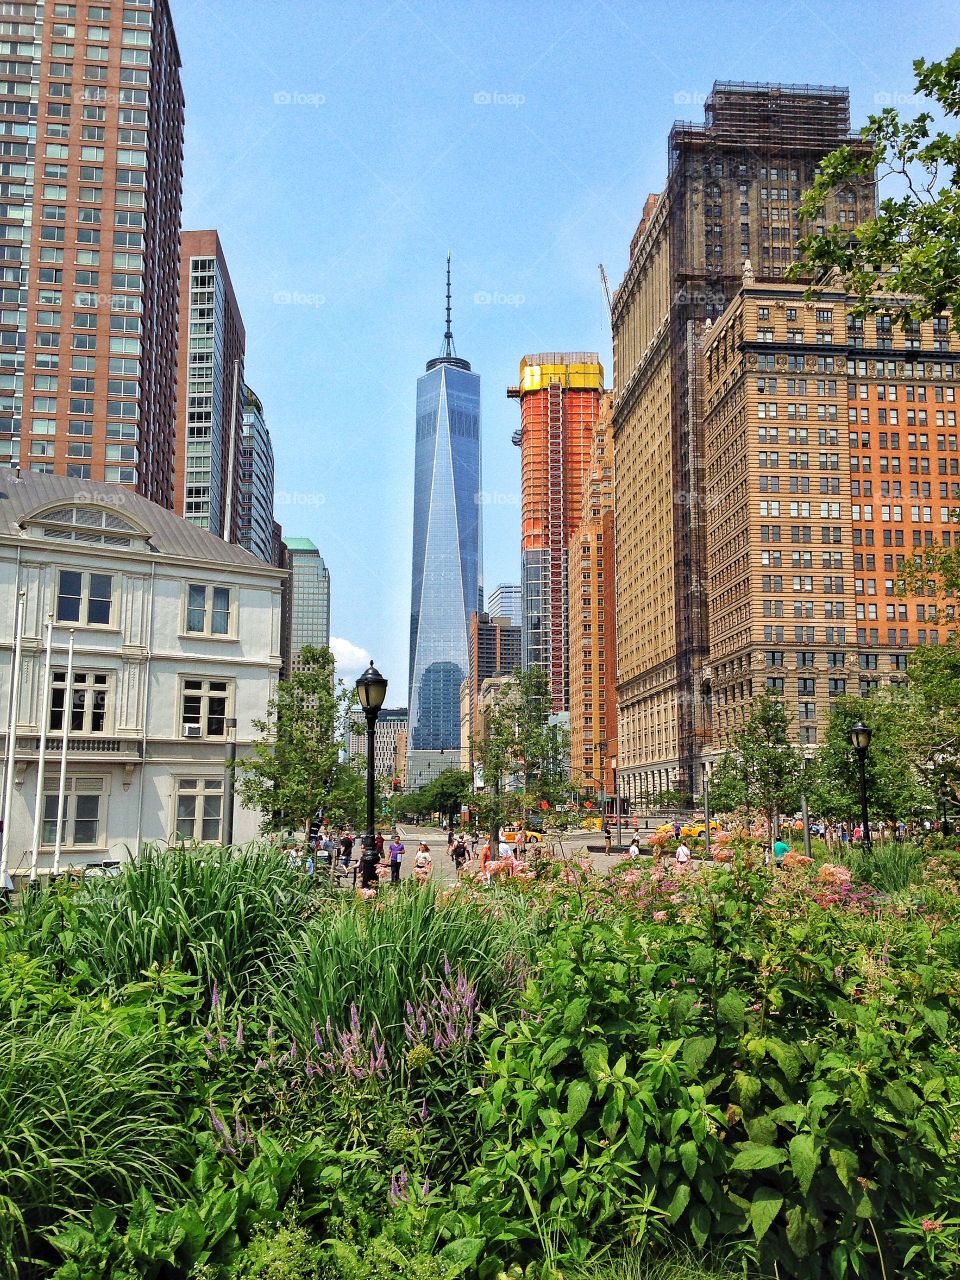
(371, 691)
(860, 736)
(230, 774)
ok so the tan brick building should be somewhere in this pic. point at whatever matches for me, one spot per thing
(732, 194)
(831, 450)
(593, 652)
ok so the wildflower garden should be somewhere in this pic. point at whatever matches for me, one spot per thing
(213, 1067)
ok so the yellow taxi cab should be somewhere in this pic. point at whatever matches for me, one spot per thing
(509, 835)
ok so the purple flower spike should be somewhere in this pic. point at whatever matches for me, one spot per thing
(215, 998)
(239, 1033)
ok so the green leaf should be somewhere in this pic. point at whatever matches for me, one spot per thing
(801, 1231)
(689, 1157)
(700, 1225)
(752, 1155)
(732, 1009)
(899, 1094)
(574, 1014)
(803, 1160)
(595, 1061)
(458, 1255)
(846, 1164)
(579, 1093)
(767, 1203)
(787, 1057)
(697, 1051)
(681, 1198)
(936, 1020)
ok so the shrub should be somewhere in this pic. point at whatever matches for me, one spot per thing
(720, 1080)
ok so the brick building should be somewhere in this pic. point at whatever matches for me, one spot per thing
(91, 118)
(831, 449)
(593, 650)
(732, 195)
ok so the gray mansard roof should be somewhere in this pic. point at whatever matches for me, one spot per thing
(25, 496)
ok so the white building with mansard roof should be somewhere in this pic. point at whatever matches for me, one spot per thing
(175, 634)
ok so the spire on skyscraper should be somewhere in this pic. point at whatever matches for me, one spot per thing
(449, 350)
(448, 353)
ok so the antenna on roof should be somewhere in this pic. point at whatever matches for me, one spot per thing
(448, 348)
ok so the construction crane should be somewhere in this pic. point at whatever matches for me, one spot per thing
(606, 289)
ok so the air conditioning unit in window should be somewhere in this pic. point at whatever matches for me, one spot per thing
(191, 731)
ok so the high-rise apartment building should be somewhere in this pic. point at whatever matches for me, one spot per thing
(308, 609)
(91, 126)
(494, 651)
(559, 394)
(832, 459)
(391, 725)
(212, 390)
(506, 601)
(732, 196)
(593, 649)
(255, 522)
(447, 542)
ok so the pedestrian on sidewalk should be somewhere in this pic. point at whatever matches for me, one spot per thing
(396, 854)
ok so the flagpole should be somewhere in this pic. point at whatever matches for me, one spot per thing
(10, 759)
(42, 760)
(62, 792)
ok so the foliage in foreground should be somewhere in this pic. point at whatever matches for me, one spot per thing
(546, 1075)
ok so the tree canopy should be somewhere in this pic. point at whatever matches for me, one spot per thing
(911, 249)
(295, 768)
(762, 771)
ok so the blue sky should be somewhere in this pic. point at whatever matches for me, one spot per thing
(341, 149)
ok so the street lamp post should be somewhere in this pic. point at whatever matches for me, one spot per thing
(860, 736)
(229, 777)
(371, 691)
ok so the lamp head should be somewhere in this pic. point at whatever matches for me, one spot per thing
(860, 736)
(371, 689)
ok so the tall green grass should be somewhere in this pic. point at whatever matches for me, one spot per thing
(87, 1115)
(891, 867)
(377, 957)
(222, 915)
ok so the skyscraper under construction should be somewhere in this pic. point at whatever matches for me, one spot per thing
(559, 394)
(731, 202)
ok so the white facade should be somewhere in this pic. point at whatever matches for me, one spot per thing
(174, 633)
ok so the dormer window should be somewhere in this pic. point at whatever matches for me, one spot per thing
(96, 526)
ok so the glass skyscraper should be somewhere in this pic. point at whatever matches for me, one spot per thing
(447, 573)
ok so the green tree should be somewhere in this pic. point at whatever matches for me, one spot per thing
(912, 248)
(447, 793)
(894, 789)
(296, 767)
(762, 771)
(931, 727)
(524, 757)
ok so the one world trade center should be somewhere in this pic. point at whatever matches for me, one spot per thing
(447, 573)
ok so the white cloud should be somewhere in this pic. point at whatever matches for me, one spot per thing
(350, 658)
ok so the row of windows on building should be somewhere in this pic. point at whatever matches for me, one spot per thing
(203, 705)
(86, 598)
(198, 811)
